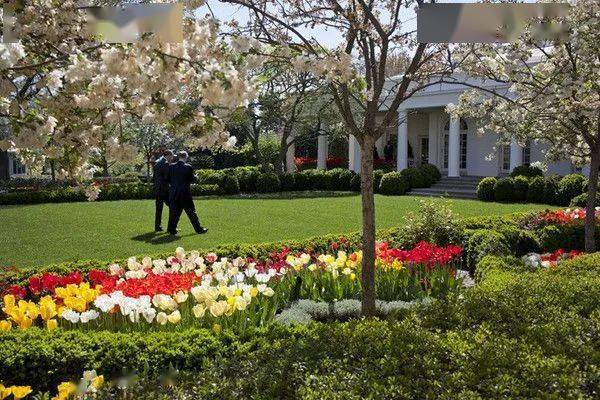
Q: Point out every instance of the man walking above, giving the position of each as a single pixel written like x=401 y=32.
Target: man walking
x=180 y=176
x=161 y=186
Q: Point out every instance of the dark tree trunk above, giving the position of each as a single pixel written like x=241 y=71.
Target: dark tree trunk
x=590 y=211
x=368 y=226
x=281 y=165
x=53 y=170
x=4 y=167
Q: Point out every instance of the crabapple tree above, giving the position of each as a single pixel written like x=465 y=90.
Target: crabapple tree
x=550 y=93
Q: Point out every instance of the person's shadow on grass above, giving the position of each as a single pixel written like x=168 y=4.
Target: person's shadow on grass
x=157 y=237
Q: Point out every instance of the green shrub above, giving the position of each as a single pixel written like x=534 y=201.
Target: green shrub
x=433 y=223
x=489 y=263
x=206 y=190
x=486 y=189
x=355 y=182
x=247 y=177
x=414 y=177
x=288 y=181
x=551 y=189
x=526 y=171
x=340 y=179
x=521 y=186
x=581 y=200
x=394 y=183
x=566 y=237
x=230 y=184
x=535 y=192
x=267 y=183
x=484 y=242
x=432 y=172
x=315 y=179
x=570 y=186
x=504 y=190
x=377 y=175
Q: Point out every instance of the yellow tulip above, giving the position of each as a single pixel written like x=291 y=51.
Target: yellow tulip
x=352 y=276
x=253 y=291
x=98 y=381
x=9 y=301
x=5 y=325
x=19 y=392
x=174 y=317
x=32 y=310
x=47 y=310
x=66 y=389
x=4 y=392
x=25 y=323
x=216 y=328
x=51 y=324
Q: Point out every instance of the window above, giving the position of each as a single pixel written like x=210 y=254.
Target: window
x=462 y=141
x=506 y=158
x=17 y=167
x=527 y=153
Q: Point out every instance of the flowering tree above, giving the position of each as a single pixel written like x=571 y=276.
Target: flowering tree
x=356 y=72
x=59 y=88
x=550 y=94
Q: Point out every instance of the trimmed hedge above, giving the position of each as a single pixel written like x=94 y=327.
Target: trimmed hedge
x=526 y=171
x=122 y=191
x=504 y=189
x=267 y=183
x=570 y=186
x=394 y=183
x=486 y=189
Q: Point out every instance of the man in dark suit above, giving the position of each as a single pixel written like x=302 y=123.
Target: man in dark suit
x=161 y=186
x=180 y=176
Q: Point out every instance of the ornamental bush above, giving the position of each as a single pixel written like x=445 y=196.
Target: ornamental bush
x=377 y=175
x=288 y=181
x=483 y=242
x=526 y=171
x=247 y=177
x=355 y=183
x=414 y=177
x=521 y=186
x=432 y=172
x=581 y=200
x=535 y=191
x=267 y=183
x=551 y=189
x=486 y=189
x=340 y=179
x=570 y=186
x=394 y=183
x=504 y=190
x=230 y=184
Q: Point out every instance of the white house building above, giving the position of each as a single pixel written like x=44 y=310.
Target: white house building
x=425 y=133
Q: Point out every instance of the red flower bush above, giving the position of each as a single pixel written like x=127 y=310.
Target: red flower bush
x=423 y=253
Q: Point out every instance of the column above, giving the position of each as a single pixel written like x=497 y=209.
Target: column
x=322 y=148
x=516 y=154
x=454 y=147
x=353 y=154
x=402 y=159
x=290 y=165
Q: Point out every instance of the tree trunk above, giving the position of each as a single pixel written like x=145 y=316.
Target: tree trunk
x=368 y=225
x=281 y=166
x=53 y=170
x=590 y=210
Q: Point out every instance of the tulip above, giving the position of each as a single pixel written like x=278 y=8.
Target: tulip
x=199 y=310
x=4 y=392
x=65 y=390
x=5 y=325
x=97 y=382
x=51 y=324
x=19 y=392
x=174 y=317
x=161 y=318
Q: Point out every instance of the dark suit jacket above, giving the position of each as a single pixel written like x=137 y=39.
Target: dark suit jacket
x=161 y=185
x=180 y=176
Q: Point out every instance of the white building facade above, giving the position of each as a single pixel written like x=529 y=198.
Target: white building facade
x=425 y=133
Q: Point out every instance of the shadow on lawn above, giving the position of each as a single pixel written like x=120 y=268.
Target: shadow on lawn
x=157 y=237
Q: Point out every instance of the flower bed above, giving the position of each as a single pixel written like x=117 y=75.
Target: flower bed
x=187 y=289
x=548 y=260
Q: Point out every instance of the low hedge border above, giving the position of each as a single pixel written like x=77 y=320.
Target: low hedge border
x=530 y=187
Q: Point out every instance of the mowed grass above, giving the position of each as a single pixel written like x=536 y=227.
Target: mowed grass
x=36 y=235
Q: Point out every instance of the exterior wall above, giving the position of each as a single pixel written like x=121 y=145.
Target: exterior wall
x=482 y=158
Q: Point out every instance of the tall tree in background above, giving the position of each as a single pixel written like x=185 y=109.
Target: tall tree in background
x=553 y=95
x=356 y=73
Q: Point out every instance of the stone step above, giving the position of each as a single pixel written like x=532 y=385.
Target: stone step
x=450 y=185
x=454 y=195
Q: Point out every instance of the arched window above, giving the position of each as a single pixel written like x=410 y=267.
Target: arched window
x=463 y=143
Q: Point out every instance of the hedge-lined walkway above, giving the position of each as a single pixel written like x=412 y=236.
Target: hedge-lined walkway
x=47 y=233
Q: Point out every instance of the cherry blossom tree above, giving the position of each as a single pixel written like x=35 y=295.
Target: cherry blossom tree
x=357 y=75
x=59 y=87
x=548 y=93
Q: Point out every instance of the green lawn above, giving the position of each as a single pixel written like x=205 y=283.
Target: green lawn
x=41 y=234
